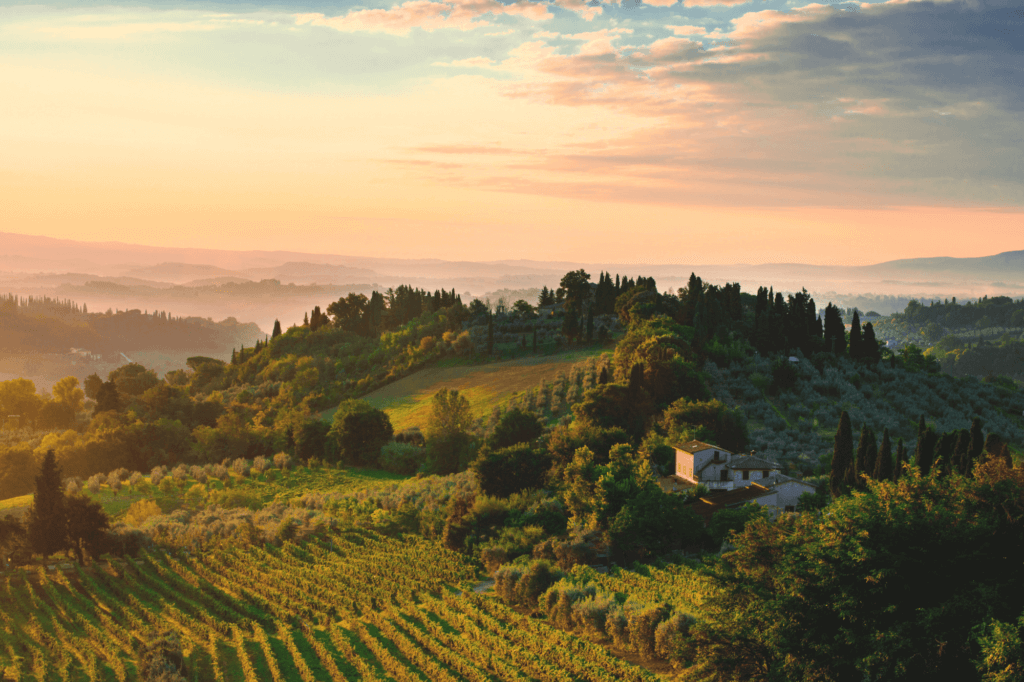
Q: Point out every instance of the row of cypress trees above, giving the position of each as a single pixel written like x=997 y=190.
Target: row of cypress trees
x=952 y=452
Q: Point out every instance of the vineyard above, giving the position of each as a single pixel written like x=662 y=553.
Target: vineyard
x=354 y=605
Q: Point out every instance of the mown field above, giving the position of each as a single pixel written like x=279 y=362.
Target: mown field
x=352 y=605
x=407 y=401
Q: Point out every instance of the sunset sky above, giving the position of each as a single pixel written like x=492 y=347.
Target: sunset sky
x=655 y=131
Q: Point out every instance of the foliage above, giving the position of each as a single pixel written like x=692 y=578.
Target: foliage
x=509 y=470
x=885 y=583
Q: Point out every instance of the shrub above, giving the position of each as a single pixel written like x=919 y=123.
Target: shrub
x=166 y=485
x=643 y=623
x=670 y=637
x=180 y=473
x=505 y=580
x=140 y=511
x=198 y=473
x=73 y=487
x=260 y=464
x=157 y=474
x=591 y=613
x=196 y=494
x=616 y=626
x=241 y=466
x=221 y=472
x=135 y=479
x=402 y=457
x=537 y=578
x=94 y=483
x=120 y=474
x=283 y=461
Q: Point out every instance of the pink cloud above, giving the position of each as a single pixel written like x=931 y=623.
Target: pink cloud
x=712 y=3
x=427 y=15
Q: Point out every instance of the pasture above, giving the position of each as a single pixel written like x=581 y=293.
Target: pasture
x=407 y=401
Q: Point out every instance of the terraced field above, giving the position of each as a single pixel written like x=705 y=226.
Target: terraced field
x=354 y=605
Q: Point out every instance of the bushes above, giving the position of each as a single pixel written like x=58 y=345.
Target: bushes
x=140 y=511
x=523 y=586
x=402 y=457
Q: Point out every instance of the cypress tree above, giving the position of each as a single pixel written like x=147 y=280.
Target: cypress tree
x=869 y=344
x=962 y=452
x=490 y=333
x=277 y=329
x=901 y=459
x=883 y=465
x=863 y=446
x=47 y=520
x=925 y=451
x=856 y=349
x=871 y=460
x=603 y=379
x=843 y=472
x=305 y=320
x=945 y=460
x=977 y=444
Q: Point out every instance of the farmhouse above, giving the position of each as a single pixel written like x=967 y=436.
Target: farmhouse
x=735 y=479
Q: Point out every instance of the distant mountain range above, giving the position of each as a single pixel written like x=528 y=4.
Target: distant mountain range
x=220 y=283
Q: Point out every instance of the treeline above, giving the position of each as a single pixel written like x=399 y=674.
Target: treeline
x=33 y=325
x=929 y=323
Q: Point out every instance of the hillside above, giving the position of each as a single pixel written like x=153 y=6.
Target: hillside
x=407 y=401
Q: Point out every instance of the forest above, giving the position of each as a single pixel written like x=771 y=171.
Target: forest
x=186 y=486
x=48 y=325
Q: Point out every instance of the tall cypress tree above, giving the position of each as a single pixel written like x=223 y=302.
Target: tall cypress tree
x=962 y=452
x=977 y=445
x=490 y=333
x=945 y=460
x=47 y=520
x=883 y=463
x=901 y=459
x=924 y=454
x=871 y=459
x=869 y=344
x=862 y=450
x=843 y=472
x=856 y=349
x=277 y=329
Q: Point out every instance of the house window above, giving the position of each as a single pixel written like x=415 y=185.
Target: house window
x=725 y=475
x=764 y=474
x=746 y=475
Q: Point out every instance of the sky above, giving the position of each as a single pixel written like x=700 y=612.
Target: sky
x=657 y=131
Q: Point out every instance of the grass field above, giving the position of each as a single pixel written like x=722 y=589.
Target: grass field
x=407 y=401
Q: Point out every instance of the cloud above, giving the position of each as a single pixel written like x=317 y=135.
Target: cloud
x=712 y=3
x=472 y=62
x=687 y=30
x=502 y=33
x=463 y=15
x=901 y=102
